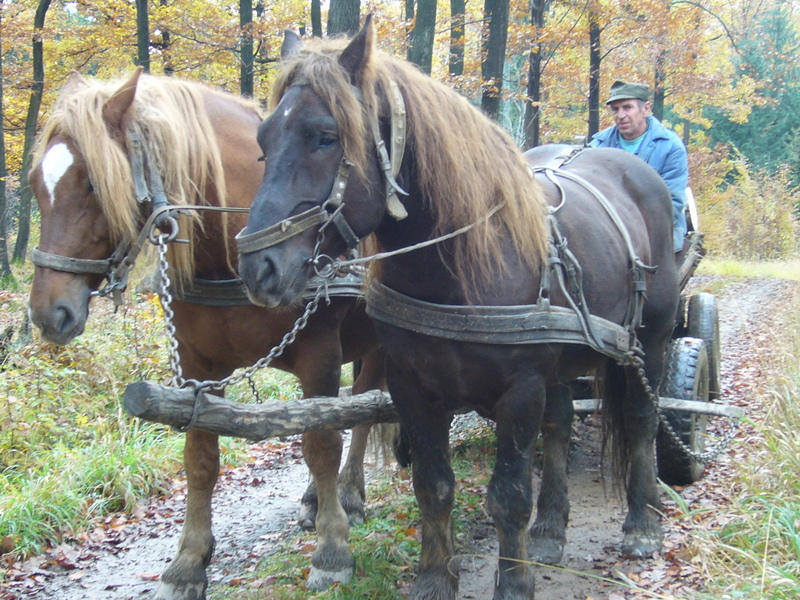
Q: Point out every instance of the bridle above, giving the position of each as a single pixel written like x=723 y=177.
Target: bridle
x=329 y=213
x=149 y=190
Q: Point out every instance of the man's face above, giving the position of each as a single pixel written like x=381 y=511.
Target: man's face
x=630 y=117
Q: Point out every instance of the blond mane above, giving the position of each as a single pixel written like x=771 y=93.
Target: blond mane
x=171 y=121
x=466 y=164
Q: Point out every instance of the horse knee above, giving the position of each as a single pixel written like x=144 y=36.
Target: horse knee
x=322 y=451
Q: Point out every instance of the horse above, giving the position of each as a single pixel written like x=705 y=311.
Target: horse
x=104 y=141
x=495 y=283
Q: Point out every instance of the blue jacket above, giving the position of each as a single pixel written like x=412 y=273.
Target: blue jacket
x=664 y=151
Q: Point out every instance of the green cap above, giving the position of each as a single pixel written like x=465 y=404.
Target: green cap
x=622 y=90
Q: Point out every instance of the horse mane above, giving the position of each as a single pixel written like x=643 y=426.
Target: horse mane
x=466 y=164
x=177 y=135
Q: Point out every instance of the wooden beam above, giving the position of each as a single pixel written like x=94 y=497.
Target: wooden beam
x=175 y=406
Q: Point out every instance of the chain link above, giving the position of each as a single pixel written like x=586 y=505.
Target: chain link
x=169 y=315
x=233 y=379
x=702 y=457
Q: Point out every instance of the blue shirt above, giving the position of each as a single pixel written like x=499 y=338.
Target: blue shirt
x=664 y=151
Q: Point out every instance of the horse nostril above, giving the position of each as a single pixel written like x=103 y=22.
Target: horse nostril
x=267 y=267
x=64 y=319
x=255 y=268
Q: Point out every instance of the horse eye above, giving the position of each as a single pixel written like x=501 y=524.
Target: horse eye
x=262 y=158
x=326 y=140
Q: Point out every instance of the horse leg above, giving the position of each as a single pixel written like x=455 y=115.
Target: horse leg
x=642 y=529
x=331 y=561
x=319 y=370
x=434 y=488
x=548 y=535
x=351 y=480
x=510 y=497
x=185 y=579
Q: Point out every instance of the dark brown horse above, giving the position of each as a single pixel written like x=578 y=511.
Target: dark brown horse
x=494 y=287
x=202 y=144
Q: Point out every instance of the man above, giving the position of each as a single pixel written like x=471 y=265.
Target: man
x=643 y=135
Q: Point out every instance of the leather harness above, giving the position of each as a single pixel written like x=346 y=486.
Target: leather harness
x=540 y=323
x=149 y=190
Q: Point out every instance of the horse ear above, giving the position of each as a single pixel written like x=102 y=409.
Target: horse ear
x=291 y=43
x=117 y=109
x=74 y=83
x=358 y=53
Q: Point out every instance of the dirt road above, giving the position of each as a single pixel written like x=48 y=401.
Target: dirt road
x=256 y=505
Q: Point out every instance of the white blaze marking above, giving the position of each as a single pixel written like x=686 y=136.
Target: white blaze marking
x=287 y=111
x=55 y=163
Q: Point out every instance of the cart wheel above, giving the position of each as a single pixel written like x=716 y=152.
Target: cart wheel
x=703 y=323
x=685 y=378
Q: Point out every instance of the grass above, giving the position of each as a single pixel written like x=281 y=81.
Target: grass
x=753 y=552
x=68 y=451
x=783 y=269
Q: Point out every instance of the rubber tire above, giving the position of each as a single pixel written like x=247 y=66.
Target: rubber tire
x=703 y=323
x=685 y=378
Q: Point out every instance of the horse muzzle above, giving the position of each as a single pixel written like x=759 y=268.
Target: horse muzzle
x=60 y=319
x=272 y=283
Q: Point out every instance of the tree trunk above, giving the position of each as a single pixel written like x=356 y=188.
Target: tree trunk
x=594 y=76
x=421 y=50
x=533 y=109
x=25 y=194
x=5 y=267
x=455 y=63
x=410 y=7
x=316 y=18
x=658 y=87
x=142 y=35
x=494 y=55
x=343 y=17
x=246 y=71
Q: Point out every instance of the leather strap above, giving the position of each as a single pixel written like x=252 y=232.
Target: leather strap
x=506 y=325
x=77 y=266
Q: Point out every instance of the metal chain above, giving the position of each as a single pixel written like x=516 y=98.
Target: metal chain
x=233 y=379
x=702 y=457
x=169 y=315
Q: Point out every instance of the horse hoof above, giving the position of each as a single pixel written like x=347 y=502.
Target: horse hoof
x=185 y=591
x=319 y=580
x=308 y=516
x=546 y=551
x=640 y=545
x=439 y=583
x=355 y=513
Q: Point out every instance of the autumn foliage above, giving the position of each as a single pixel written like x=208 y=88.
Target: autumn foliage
x=715 y=65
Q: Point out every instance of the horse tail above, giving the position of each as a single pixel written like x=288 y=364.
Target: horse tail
x=612 y=384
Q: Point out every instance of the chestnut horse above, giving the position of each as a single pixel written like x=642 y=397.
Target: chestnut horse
x=494 y=287
x=200 y=145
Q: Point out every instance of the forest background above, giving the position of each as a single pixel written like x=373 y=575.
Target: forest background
x=724 y=75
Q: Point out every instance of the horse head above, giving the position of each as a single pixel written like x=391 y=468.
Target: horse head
x=77 y=235
x=322 y=189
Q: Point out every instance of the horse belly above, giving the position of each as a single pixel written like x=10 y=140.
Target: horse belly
x=462 y=374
